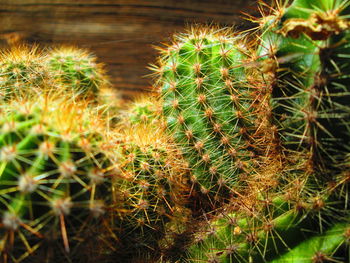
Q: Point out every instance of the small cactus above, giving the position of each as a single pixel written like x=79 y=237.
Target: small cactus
x=77 y=69
x=144 y=110
x=22 y=71
x=148 y=193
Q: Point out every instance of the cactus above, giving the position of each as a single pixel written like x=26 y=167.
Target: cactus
x=210 y=107
x=22 y=72
x=300 y=65
x=302 y=57
x=76 y=69
x=144 y=110
x=149 y=191
x=304 y=50
x=261 y=125
x=287 y=241
x=53 y=175
x=295 y=224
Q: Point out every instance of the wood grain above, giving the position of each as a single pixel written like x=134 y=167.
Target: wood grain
x=120 y=32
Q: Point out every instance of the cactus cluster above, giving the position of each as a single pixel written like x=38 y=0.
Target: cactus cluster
x=242 y=156
x=294 y=73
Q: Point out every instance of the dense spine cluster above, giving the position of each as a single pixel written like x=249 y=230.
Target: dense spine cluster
x=22 y=71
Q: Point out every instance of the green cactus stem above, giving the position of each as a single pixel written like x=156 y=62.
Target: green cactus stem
x=304 y=49
x=209 y=106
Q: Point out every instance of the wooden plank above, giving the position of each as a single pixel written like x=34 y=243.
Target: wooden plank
x=120 y=32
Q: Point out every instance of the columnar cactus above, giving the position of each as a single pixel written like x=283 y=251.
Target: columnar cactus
x=304 y=50
x=149 y=191
x=209 y=106
x=53 y=175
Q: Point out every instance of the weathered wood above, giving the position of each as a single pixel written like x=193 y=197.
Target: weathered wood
x=120 y=32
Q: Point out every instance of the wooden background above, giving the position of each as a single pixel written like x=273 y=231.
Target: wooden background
x=120 y=32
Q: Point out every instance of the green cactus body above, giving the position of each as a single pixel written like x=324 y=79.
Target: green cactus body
x=208 y=106
x=309 y=44
x=22 y=72
x=77 y=70
x=52 y=174
x=142 y=111
x=281 y=232
x=329 y=246
x=149 y=192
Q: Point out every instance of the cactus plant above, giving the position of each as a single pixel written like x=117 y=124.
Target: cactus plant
x=144 y=110
x=304 y=49
x=296 y=224
x=149 y=191
x=53 y=174
x=301 y=56
x=77 y=69
x=262 y=125
x=209 y=106
x=22 y=72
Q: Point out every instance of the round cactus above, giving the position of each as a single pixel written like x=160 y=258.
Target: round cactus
x=53 y=175
x=77 y=70
x=22 y=71
x=145 y=110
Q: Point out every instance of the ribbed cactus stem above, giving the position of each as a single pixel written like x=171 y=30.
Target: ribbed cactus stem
x=308 y=45
x=209 y=106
